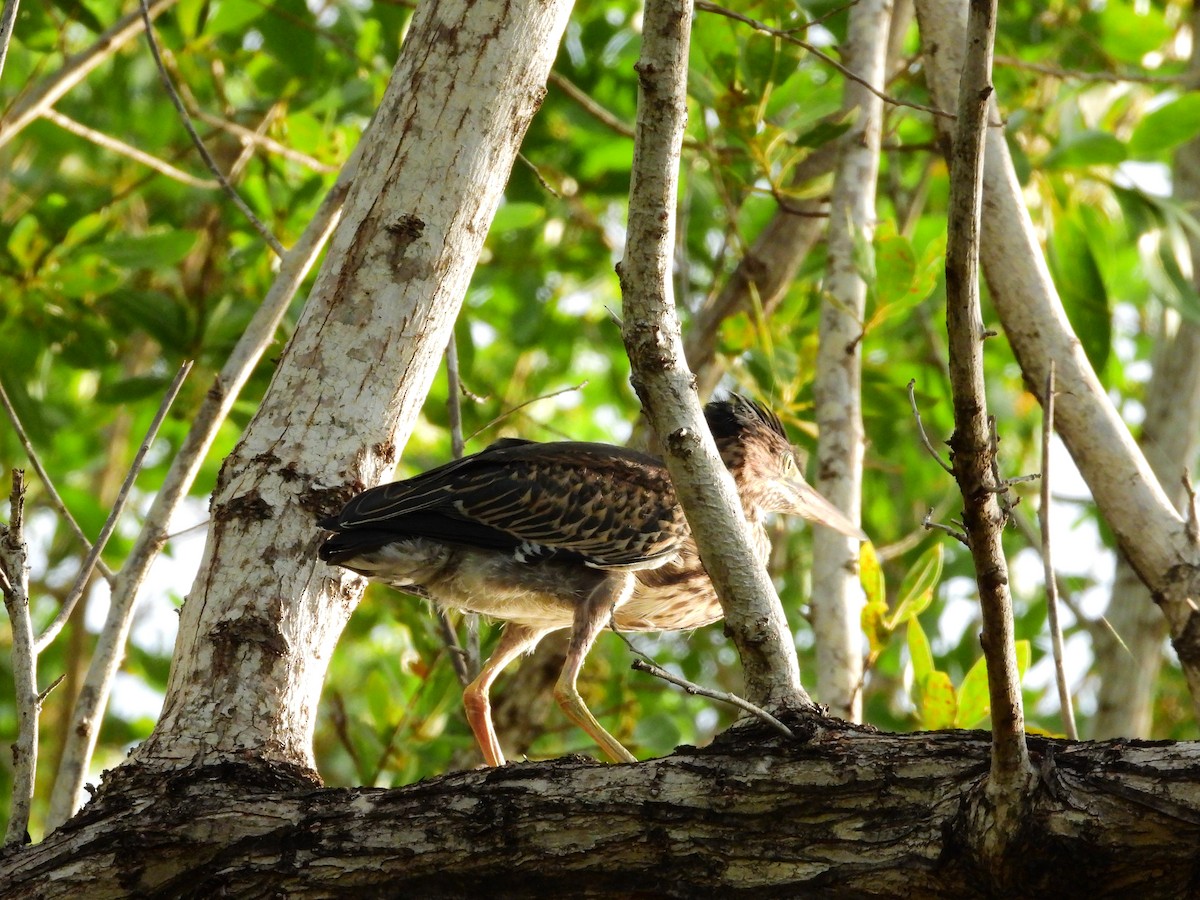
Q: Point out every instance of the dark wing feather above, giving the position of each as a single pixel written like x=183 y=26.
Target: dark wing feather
x=605 y=505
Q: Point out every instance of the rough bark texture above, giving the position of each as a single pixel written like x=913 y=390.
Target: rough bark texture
x=842 y=813
x=754 y=615
x=260 y=623
x=972 y=447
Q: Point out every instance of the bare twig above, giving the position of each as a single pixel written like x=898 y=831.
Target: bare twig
x=81 y=737
x=520 y=406
x=972 y=448
x=74 y=70
x=120 y=147
x=186 y=119
x=55 y=500
x=251 y=138
x=960 y=536
x=465 y=660
x=51 y=686
x=1012 y=62
x=640 y=665
x=705 y=6
x=1193 y=524
x=85 y=572
x=1056 y=636
x=912 y=401
x=14 y=567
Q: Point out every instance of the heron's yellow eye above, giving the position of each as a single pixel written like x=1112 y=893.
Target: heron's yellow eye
x=787 y=463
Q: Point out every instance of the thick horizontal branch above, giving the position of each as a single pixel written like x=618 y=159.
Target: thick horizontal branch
x=848 y=813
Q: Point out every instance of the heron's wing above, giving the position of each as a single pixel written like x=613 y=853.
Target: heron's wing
x=604 y=505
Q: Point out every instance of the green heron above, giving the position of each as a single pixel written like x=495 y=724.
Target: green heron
x=566 y=535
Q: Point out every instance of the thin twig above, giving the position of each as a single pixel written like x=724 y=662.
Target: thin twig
x=641 y=665
x=120 y=147
x=50 y=687
x=465 y=660
x=186 y=119
x=520 y=406
x=1013 y=62
x=912 y=400
x=74 y=70
x=525 y=161
x=55 y=499
x=705 y=6
x=85 y=573
x=458 y=656
x=1056 y=635
x=14 y=564
x=960 y=536
x=254 y=139
x=1193 y=524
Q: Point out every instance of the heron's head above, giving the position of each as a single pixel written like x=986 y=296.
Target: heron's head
x=755 y=449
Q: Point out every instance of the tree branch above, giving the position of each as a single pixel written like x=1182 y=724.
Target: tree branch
x=114 y=515
x=837 y=596
x=14 y=572
x=753 y=613
x=56 y=499
x=972 y=447
x=89 y=709
x=100 y=139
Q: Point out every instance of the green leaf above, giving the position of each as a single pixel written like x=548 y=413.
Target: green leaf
x=1128 y=31
x=936 y=703
x=919 y=652
x=233 y=16
x=974 y=702
x=513 y=216
x=25 y=243
x=1167 y=127
x=1081 y=286
x=1085 y=149
x=148 y=251
x=916 y=589
x=870 y=574
x=155 y=313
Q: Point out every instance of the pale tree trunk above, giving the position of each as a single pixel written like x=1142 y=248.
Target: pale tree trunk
x=1153 y=536
x=1169 y=440
x=261 y=621
x=837 y=597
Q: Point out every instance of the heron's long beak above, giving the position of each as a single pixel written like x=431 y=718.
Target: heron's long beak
x=810 y=505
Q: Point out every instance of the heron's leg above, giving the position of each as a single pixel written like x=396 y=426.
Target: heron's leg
x=590 y=618
x=515 y=640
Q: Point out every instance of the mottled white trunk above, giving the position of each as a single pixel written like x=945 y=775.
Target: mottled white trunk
x=263 y=617
x=837 y=597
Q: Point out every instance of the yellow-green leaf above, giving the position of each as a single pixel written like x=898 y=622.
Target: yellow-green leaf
x=919 y=652
x=870 y=573
x=936 y=703
x=974 y=701
x=916 y=589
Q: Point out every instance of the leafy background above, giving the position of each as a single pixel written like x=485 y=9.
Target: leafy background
x=111 y=274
